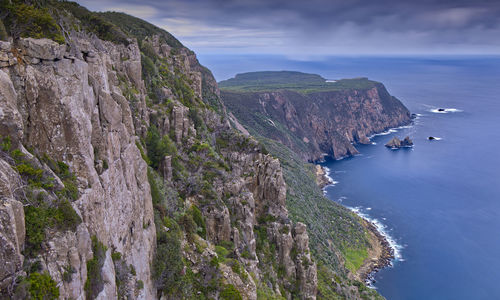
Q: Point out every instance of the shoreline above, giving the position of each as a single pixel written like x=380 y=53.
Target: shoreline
x=380 y=254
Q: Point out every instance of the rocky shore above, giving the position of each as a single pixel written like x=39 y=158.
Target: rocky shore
x=321 y=177
x=380 y=253
x=379 y=256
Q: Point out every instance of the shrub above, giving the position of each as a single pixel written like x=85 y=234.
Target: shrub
x=230 y=293
x=3 y=32
x=199 y=220
x=221 y=252
x=26 y=20
x=94 y=283
x=116 y=256
x=158 y=147
x=6 y=141
x=42 y=287
x=68 y=272
x=187 y=223
x=139 y=284
x=168 y=265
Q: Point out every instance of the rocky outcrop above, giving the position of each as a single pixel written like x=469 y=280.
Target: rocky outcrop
x=322 y=178
x=73 y=110
x=318 y=124
x=12 y=229
x=85 y=108
x=396 y=143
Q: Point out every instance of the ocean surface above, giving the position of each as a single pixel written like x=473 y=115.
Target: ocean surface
x=438 y=202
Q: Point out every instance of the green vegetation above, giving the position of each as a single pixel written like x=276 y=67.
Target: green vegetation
x=140 y=29
x=46 y=206
x=195 y=213
x=230 y=293
x=354 y=258
x=288 y=80
x=94 y=283
x=85 y=20
x=3 y=32
x=168 y=263
x=29 y=20
x=158 y=147
x=42 y=287
x=38 y=218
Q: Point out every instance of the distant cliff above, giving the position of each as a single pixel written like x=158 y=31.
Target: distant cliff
x=311 y=116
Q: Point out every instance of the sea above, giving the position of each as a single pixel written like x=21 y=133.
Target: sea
x=438 y=203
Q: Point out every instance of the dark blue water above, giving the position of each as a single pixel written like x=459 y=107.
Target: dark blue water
x=440 y=201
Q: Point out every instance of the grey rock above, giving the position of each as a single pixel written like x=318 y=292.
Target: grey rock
x=45 y=49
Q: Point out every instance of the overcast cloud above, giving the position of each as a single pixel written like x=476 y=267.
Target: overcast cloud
x=322 y=27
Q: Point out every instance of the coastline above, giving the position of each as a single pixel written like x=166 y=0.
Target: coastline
x=322 y=178
x=380 y=253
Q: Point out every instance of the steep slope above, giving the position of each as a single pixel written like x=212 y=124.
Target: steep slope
x=300 y=117
x=121 y=176
x=309 y=115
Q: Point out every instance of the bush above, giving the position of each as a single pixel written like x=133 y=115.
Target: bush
x=115 y=256
x=230 y=293
x=189 y=226
x=139 y=284
x=158 y=147
x=3 y=32
x=221 y=252
x=94 y=283
x=199 y=220
x=168 y=265
x=26 y=20
x=38 y=219
x=42 y=287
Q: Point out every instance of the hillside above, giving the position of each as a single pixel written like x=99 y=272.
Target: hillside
x=298 y=125
x=292 y=81
x=121 y=175
x=313 y=122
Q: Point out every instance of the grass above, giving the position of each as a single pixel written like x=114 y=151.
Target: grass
x=354 y=258
x=293 y=81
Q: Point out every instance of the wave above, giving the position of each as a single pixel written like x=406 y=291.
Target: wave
x=444 y=110
x=332 y=181
x=382 y=228
x=389 y=131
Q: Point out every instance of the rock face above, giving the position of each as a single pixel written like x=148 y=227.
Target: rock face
x=93 y=116
x=396 y=143
x=318 y=124
x=74 y=111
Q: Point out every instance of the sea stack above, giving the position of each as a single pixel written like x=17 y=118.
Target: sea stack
x=396 y=143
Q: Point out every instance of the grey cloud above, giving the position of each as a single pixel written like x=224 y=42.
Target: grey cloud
x=323 y=26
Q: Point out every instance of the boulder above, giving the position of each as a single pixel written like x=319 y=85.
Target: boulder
x=396 y=143
x=42 y=48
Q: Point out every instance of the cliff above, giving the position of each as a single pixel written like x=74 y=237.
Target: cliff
x=301 y=117
x=121 y=176
x=311 y=116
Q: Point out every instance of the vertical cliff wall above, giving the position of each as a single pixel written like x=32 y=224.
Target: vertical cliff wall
x=316 y=119
x=121 y=177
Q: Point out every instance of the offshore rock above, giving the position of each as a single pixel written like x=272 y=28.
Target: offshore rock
x=396 y=143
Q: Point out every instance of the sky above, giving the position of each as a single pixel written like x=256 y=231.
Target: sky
x=322 y=27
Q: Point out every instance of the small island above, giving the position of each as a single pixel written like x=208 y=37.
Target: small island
x=396 y=143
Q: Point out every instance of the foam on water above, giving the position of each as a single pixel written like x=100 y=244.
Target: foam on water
x=445 y=111
x=389 y=131
x=382 y=228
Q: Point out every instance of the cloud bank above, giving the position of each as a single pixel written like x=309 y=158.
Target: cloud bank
x=323 y=27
